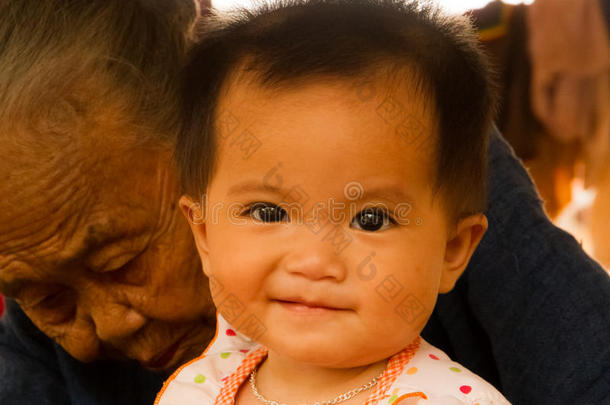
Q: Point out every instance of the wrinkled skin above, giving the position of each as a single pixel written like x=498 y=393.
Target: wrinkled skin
x=96 y=252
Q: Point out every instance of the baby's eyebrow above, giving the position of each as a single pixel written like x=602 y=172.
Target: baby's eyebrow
x=246 y=187
x=391 y=193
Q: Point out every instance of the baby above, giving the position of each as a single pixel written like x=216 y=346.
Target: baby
x=340 y=146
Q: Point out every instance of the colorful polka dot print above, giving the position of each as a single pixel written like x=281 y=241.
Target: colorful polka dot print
x=417 y=375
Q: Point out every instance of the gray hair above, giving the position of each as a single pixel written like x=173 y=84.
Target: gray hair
x=67 y=65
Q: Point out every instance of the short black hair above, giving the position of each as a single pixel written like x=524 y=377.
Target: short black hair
x=296 y=40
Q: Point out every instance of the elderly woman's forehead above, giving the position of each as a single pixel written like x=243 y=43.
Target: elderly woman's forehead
x=70 y=234
x=60 y=203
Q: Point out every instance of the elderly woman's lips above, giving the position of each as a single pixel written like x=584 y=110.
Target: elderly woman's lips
x=162 y=359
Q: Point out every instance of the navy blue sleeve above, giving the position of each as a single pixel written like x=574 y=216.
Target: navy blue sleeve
x=531 y=314
x=36 y=371
x=29 y=371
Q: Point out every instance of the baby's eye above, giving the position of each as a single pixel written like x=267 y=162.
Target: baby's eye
x=372 y=219
x=266 y=212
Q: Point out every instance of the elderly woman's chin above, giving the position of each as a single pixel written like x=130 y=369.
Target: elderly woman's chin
x=185 y=348
x=170 y=353
x=160 y=346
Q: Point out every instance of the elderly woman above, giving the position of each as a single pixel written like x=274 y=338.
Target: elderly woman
x=106 y=294
x=92 y=247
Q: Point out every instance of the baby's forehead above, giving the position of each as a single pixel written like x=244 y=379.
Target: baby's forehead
x=345 y=119
x=396 y=93
x=394 y=108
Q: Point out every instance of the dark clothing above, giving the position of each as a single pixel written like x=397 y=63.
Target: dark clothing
x=531 y=315
x=532 y=312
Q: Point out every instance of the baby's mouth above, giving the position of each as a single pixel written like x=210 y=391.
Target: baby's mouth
x=302 y=304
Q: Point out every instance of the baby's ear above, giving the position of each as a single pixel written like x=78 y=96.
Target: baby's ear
x=459 y=249
x=195 y=215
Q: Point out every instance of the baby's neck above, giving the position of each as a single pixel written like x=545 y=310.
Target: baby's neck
x=287 y=381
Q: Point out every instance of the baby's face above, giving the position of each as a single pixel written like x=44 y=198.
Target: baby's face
x=322 y=237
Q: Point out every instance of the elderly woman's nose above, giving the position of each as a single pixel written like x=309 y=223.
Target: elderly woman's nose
x=115 y=321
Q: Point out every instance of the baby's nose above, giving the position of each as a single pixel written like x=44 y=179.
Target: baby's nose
x=316 y=260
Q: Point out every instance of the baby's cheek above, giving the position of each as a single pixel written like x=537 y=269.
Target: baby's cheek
x=232 y=293
x=414 y=310
x=397 y=323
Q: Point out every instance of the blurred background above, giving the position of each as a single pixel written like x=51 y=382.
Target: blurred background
x=553 y=61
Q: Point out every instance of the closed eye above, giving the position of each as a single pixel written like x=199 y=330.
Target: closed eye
x=55 y=308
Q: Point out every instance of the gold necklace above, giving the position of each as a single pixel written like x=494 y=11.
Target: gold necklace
x=340 y=398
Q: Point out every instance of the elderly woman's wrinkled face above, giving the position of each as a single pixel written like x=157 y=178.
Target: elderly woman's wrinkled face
x=99 y=257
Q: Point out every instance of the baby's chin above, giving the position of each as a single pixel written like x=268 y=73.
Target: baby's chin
x=332 y=355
